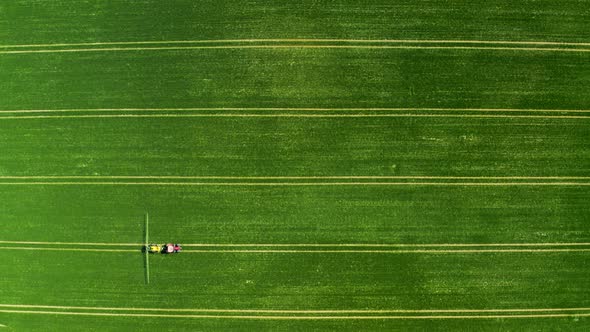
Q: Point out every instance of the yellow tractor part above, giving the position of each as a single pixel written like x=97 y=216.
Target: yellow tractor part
x=154 y=248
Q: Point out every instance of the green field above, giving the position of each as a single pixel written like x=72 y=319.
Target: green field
x=396 y=165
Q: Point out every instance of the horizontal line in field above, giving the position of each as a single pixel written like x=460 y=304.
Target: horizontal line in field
x=322 y=251
x=320 y=177
x=300 y=109
x=294 y=112
x=417 y=251
x=391 y=244
x=296 y=43
x=261 y=317
x=154 y=180
x=281 y=311
x=304 y=40
x=291 y=115
x=73 y=243
x=73 y=249
x=282 y=184
x=534 y=244
x=296 y=46
x=181 y=48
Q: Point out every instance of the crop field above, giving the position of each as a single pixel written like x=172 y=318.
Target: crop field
x=327 y=165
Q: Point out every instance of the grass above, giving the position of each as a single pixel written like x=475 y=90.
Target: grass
x=145 y=249
x=51 y=22
x=445 y=133
x=301 y=281
x=128 y=324
x=297 y=78
x=296 y=147
x=297 y=214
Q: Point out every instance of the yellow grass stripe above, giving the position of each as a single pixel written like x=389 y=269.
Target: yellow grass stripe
x=260 y=317
x=535 y=244
x=562 y=244
x=415 y=251
x=301 y=184
x=283 y=311
x=300 y=46
x=307 y=109
x=347 y=251
x=290 y=115
x=343 y=177
x=73 y=243
x=72 y=249
x=324 y=251
x=305 y=40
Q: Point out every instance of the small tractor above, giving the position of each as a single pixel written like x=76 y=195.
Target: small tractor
x=168 y=248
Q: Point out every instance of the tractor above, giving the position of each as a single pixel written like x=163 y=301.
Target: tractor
x=168 y=248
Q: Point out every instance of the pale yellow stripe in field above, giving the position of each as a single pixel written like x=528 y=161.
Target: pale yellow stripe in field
x=73 y=243
x=305 y=40
x=415 y=251
x=323 y=251
x=287 y=115
x=301 y=184
x=301 y=109
x=71 y=249
x=260 y=317
x=283 y=311
x=562 y=244
x=319 y=245
x=344 y=177
x=301 y=46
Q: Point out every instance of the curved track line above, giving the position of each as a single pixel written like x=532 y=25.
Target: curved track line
x=275 y=184
x=308 y=109
x=296 y=317
x=82 y=116
x=305 y=40
x=268 y=311
x=300 y=46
